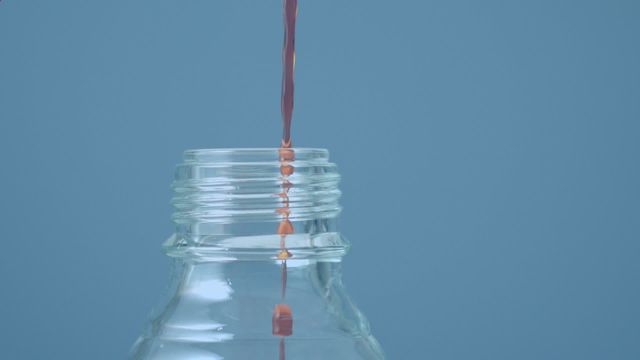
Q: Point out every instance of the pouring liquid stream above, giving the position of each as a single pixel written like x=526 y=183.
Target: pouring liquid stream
x=282 y=323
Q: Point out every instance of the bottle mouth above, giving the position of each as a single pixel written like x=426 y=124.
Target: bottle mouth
x=249 y=155
x=224 y=186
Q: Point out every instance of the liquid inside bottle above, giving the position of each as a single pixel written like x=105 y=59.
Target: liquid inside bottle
x=256 y=262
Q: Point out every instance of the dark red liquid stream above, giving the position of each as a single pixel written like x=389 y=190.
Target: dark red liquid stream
x=288 y=66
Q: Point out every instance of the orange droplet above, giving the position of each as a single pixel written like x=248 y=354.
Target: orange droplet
x=285 y=227
x=286 y=154
x=284 y=211
x=284 y=254
x=282 y=321
x=286 y=170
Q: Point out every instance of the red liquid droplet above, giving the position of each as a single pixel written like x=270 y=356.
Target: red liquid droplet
x=282 y=321
x=286 y=153
x=286 y=169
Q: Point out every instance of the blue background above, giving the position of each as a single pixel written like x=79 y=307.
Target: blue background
x=489 y=149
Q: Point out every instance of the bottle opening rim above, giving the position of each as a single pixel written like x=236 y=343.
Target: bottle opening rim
x=239 y=155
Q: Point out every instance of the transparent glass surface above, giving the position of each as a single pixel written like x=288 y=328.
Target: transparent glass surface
x=245 y=286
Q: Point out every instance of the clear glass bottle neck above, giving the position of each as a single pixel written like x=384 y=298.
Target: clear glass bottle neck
x=253 y=203
x=257 y=268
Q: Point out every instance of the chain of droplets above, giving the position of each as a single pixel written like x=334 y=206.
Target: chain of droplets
x=282 y=314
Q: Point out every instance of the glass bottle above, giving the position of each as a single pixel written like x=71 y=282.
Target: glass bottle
x=256 y=262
